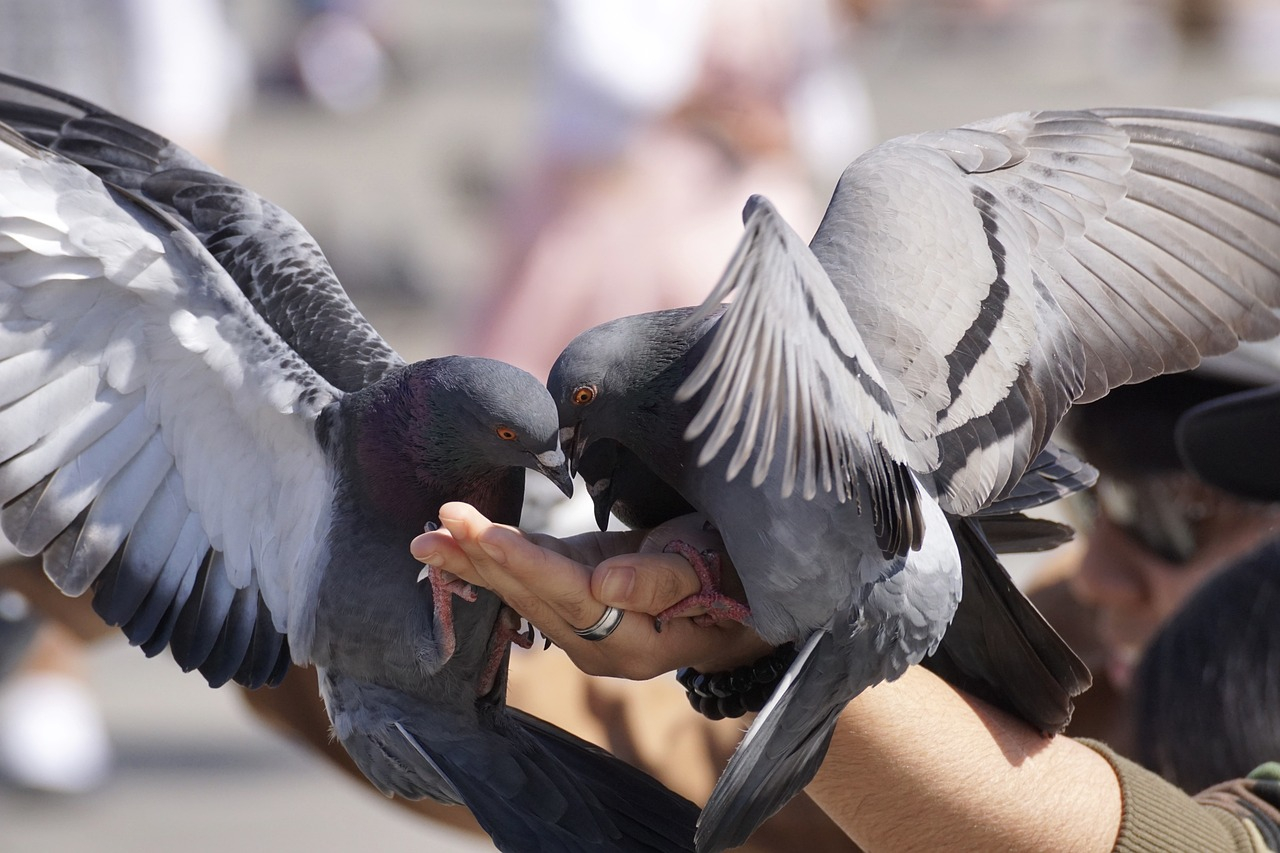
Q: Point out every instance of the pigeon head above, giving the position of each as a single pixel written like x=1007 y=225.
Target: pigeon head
x=487 y=414
x=617 y=381
x=452 y=428
x=612 y=373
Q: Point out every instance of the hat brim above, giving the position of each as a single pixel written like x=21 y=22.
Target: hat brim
x=1233 y=443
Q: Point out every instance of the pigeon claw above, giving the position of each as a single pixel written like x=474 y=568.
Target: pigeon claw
x=718 y=606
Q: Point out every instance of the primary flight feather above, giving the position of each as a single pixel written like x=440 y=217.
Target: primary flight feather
x=876 y=404
x=200 y=430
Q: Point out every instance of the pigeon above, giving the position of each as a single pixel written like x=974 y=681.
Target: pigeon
x=870 y=405
x=198 y=428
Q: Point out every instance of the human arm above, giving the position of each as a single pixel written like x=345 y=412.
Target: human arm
x=914 y=764
x=918 y=765
x=643 y=720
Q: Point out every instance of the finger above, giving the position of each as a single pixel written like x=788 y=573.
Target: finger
x=442 y=554
x=564 y=583
x=649 y=583
x=436 y=547
x=551 y=590
x=463 y=524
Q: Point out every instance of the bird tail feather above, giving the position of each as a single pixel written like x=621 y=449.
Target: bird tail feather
x=532 y=787
x=781 y=752
x=1000 y=649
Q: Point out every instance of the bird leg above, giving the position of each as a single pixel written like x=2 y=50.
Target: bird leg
x=445 y=585
x=718 y=605
x=505 y=630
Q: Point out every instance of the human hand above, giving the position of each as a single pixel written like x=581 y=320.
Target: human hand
x=562 y=584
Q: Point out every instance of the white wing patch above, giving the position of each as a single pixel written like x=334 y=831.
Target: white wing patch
x=155 y=433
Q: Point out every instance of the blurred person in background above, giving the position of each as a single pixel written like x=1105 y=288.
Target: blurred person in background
x=1213 y=667
x=336 y=54
x=1206 y=696
x=176 y=67
x=1152 y=531
x=657 y=121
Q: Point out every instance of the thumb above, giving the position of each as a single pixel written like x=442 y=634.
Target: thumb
x=647 y=583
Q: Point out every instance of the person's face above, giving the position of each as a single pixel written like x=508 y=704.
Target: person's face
x=1151 y=545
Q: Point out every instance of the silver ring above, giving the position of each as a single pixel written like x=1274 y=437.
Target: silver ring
x=605 y=625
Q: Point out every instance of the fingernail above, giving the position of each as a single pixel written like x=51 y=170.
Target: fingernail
x=617 y=585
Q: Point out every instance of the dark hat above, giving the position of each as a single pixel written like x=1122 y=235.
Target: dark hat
x=1233 y=443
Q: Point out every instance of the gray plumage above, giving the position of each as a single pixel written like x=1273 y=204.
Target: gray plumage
x=872 y=403
x=198 y=428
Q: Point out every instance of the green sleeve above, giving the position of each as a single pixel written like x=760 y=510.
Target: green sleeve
x=1161 y=818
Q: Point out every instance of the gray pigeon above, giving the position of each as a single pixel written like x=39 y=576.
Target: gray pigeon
x=896 y=380
x=198 y=427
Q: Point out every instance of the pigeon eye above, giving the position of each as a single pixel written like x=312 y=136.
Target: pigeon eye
x=507 y=433
x=584 y=394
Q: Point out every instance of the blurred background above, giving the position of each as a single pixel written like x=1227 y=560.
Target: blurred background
x=472 y=170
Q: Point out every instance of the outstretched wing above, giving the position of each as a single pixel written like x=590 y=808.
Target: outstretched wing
x=157 y=438
x=787 y=364
x=999 y=272
x=268 y=254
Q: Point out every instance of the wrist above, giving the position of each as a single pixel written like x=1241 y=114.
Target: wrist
x=741 y=690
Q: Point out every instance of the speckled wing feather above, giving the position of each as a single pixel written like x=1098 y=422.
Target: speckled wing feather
x=157 y=438
x=999 y=272
x=268 y=254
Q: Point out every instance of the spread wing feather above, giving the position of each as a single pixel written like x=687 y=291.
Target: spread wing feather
x=157 y=437
x=268 y=254
x=787 y=368
x=989 y=277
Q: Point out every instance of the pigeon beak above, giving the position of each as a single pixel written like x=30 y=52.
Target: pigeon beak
x=572 y=447
x=555 y=468
x=601 y=492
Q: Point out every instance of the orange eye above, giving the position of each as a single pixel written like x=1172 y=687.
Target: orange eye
x=507 y=433
x=583 y=395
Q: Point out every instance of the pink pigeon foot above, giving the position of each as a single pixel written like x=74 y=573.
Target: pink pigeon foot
x=443 y=587
x=718 y=605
